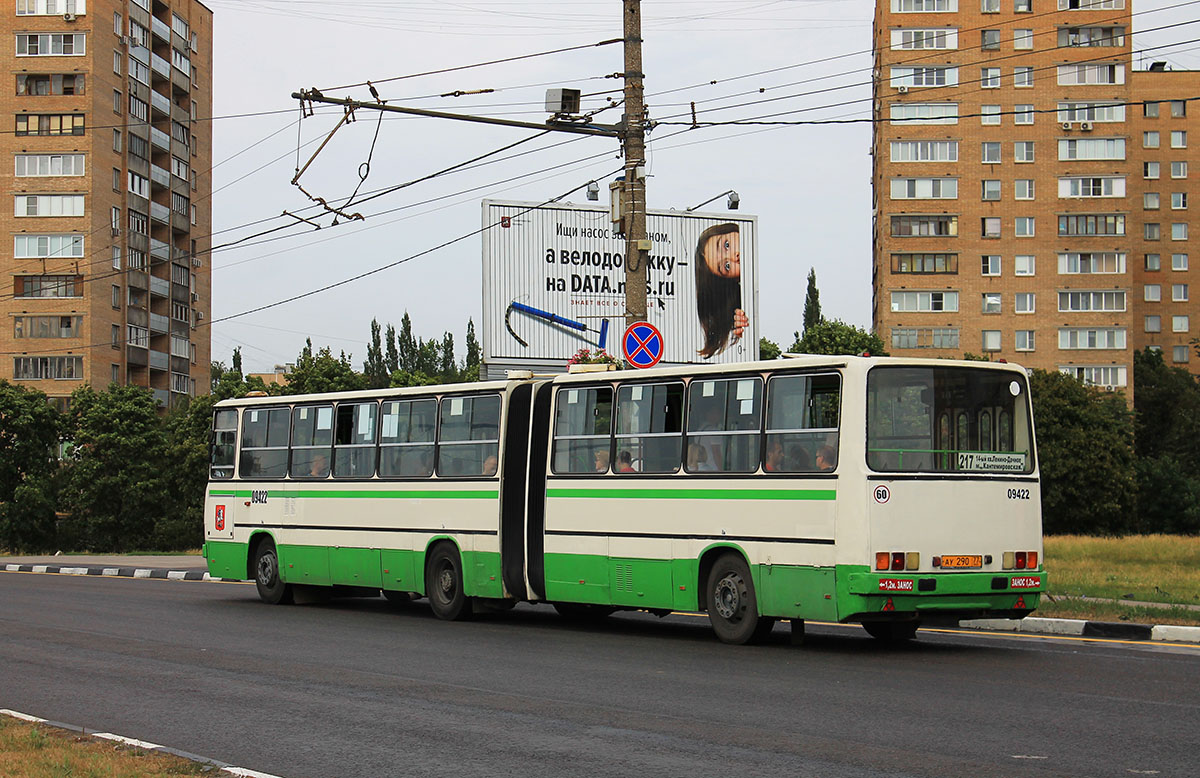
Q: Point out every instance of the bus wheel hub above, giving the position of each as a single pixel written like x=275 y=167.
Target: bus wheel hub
x=729 y=597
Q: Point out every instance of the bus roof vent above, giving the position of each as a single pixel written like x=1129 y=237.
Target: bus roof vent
x=518 y=375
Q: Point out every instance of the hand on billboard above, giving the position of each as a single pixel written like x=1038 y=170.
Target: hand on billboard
x=740 y=322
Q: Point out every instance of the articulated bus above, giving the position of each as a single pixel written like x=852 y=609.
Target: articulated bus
x=879 y=491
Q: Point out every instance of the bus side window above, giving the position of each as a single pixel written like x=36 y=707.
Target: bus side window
x=802 y=423
x=469 y=436
x=583 y=430
x=224 y=445
x=354 y=441
x=264 y=443
x=406 y=438
x=649 y=428
x=312 y=437
x=724 y=418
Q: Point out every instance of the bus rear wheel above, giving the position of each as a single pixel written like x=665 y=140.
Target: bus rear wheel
x=892 y=631
x=444 y=584
x=271 y=588
x=732 y=603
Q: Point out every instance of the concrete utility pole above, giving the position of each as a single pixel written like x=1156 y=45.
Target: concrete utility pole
x=637 y=246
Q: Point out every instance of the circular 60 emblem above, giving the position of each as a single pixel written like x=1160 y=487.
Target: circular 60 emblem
x=882 y=494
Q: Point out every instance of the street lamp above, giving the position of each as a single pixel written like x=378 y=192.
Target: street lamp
x=731 y=203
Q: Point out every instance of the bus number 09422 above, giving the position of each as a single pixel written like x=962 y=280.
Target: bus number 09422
x=1018 y=494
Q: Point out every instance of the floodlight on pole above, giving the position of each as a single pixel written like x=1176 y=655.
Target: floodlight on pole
x=732 y=203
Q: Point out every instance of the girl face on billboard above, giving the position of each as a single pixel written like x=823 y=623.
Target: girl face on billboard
x=723 y=255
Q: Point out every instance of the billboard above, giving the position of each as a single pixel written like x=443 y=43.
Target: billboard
x=554 y=282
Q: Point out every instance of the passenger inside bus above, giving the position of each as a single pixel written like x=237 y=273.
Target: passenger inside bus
x=826 y=458
x=774 y=461
x=625 y=462
x=601 y=459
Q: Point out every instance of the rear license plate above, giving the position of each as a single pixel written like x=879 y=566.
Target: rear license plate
x=963 y=560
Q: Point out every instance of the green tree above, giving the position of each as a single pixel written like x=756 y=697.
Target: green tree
x=448 y=371
x=393 y=352
x=768 y=349
x=185 y=475
x=375 y=368
x=1085 y=448
x=407 y=345
x=29 y=434
x=237 y=361
x=114 y=483
x=474 y=352
x=322 y=372
x=812 y=302
x=837 y=337
x=1167 y=442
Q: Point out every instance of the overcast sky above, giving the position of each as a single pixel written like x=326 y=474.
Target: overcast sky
x=790 y=60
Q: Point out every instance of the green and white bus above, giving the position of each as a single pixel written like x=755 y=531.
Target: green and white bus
x=878 y=491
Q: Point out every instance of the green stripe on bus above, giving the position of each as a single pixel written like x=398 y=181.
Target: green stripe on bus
x=634 y=493
x=376 y=494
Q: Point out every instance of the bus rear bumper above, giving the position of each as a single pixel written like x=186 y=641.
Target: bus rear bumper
x=941 y=597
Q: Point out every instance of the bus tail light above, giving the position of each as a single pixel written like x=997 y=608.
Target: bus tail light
x=912 y=560
x=897 y=560
x=882 y=560
x=1020 y=560
x=1032 y=558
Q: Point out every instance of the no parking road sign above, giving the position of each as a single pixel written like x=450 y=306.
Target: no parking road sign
x=642 y=344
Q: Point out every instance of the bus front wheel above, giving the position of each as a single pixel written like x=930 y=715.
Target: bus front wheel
x=444 y=584
x=732 y=604
x=892 y=631
x=271 y=588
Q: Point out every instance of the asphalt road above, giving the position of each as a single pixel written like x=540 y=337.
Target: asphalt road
x=359 y=688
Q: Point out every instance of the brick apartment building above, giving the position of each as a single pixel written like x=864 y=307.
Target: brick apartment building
x=109 y=273
x=1032 y=193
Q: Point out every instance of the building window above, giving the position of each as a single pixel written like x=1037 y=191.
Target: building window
x=1179 y=139
x=1179 y=169
x=924 y=188
x=989 y=78
x=1023 y=265
x=991 y=302
x=1023 y=6
x=139 y=109
x=1087 y=74
x=1179 y=201
x=1024 y=302
x=49 y=124
x=139 y=224
x=46 y=327
x=991 y=153
x=1152 y=293
x=1150 y=170
x=1179 y=261
x=990 y=265
x=989 y=6
x=1179 y=293
x=1152 y=231
x=1091 y=224
x=47 y=368
x=1103 y=301
x=1178 y=109
x=1023 y=114
x=47 y=286
x=48 y=246
x=42 y=165
x=1091 y=339
x=924 y=302
x=924 y=151
x=1091 y=263
x=935 y=225
x=116 y=254
x=1091 y=111
x=990 y=227
x=139 y=185
x=1091 y=148
x=1024 y=340
x=1180 y=354
x=924 y=263
x=991 y=340
x=924 y=337
x=1022 y=39
x=1150 y=110
x=1179 y=231
x=1023 y=227
x=117 y=141
x=1150 y=139
x=46 y=85
x=989 y=115
x=920 y=113
x=49 y=205
x=1023 y=189
x=1023 y=77
x=991 y=189
x=1179 y=324
x=116 y=297
x=1150 y=201
x=51 y=45
x=990 y=39
x=1153 y=262
x=1153 y=323
x=1023 y=151
x=1092 y=186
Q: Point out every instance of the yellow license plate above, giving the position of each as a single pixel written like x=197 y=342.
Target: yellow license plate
x=963 y=560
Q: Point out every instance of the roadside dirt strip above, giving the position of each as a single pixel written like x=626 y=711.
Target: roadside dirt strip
x=222 y=766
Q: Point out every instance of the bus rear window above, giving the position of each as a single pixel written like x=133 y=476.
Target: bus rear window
x=951 y=419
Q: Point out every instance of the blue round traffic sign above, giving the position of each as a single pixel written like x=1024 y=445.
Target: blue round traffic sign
x=642 y=344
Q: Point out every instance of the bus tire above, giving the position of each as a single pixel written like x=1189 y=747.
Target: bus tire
x=444 y=584
x=892 y=631
x=271 y=588
x=732 y=604
x=580 y=611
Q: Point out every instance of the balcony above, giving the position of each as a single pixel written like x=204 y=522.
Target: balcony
x=180 y=293
x=140 y=53
x=160 y=176
x=161 y=29
x=160 y=360
x=180 y=223
x=160 y=104
x=159 y=139
x=160 y=213
x=160 y=287
x=135 y=356
x=137 y=279
x=159 y=66
x=160 y=250
x=162 y=397
x=159 y=325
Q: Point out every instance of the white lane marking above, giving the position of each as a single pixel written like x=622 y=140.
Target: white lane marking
x=141 y=573
x=176 y=575
x=1027 y=756
x=126 y=740
x=1143 y=772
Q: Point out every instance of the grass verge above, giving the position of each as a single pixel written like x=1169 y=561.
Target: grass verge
x=1149 y=568
x=29 y=750
x=1091 y=610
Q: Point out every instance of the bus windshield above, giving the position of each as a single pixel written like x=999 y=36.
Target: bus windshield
x=948 y=419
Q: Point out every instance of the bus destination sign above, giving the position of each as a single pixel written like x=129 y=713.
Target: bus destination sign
x=993 y=462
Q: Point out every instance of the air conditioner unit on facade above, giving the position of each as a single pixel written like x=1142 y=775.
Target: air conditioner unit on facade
x=200 y=315
x=68 y=17
x=116 y=231
x=121 y=39
x=1085 y=126
x=195 y=261
x=1067 y=126
x=902 y=90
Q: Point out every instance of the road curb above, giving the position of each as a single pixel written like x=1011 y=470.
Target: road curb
x=1119 y=630
x=222 y=766
x=117 y=572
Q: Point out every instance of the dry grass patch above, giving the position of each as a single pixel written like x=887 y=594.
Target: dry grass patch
x=1151 y=568
x=29 y=750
